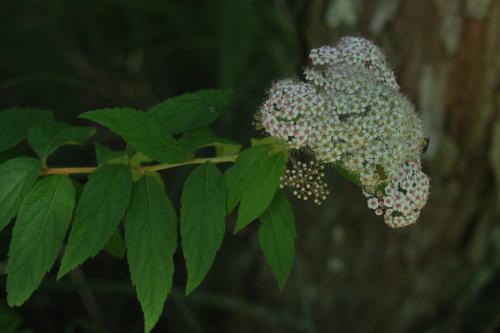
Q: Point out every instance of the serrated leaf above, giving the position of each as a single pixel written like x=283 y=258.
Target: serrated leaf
x=253 y=180
x=203 y=137
x=141 y=132
x=202 y=221
x=16 y=178
x=277 y=237
x=15 y=123
x=106 y=155
x=191 y=111
x=151 y=239
x=102 y=205
x=39 y=231
x=116 y=245
x=237 y=175
x=260 y=188
x=48 y=136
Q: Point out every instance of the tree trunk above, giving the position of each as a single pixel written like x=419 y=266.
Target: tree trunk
x=439 y=275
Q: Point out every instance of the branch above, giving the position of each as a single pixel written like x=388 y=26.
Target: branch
x=142 y=169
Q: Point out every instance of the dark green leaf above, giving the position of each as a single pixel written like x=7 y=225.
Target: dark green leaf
x=12 y=153
x=262 y=184
x=191 y=111
x=237 y=175
x=277 y=237
x=151 y=239
x=203 y=137
x=253 y=180
x=102 y=205
x=16 y=178
x=116 y=245
x=39 y=231
x=347 y=174
x=15 y=123
x=105 y=155
x=202 y=221
x=48 y=136
x=143 y=133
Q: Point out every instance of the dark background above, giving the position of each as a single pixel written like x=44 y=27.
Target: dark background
x=352 y=273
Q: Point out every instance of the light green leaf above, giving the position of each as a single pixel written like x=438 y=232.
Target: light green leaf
x=48 y=136
x=277 y=237
x=151 y=239
x=116 y=245
x=106 y=155
x=15 y=123
x=141 y=132
x=191 y=111
x=226 y=149
x=102 y=205
x=16 y=178
x=39 y=231
x=138 y=159
x=202 y=221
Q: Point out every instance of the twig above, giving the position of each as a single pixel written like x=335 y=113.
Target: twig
x=142 y=169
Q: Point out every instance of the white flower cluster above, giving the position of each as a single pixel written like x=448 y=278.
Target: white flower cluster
x=294 y=104
x=349 y=112
x=403 y=198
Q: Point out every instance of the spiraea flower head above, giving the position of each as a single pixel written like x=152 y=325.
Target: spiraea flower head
x=289 y=110
x=403 y=198
x=349 y=112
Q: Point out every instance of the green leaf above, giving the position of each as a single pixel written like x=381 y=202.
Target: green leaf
x=226 y=149
x=138 y=159
x=142 y=133
x=191 y=111
x=237 y=175
x=106 y=155
x=203 y=137
x=202 y=221
x=16 y=178
x=102 y=205
x=260 y=188
x=151 y=239
x=253 y=180
x=15 y=123
x=277 y=237
x=116 y=245
x=347 y=174
x=39 y=231
x=48 y=136
x=12 y=153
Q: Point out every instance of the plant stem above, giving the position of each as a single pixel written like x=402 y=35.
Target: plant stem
x=142 y=169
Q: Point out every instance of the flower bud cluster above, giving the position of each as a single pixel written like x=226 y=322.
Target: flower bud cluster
x=307 y=181
x=348 y=112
